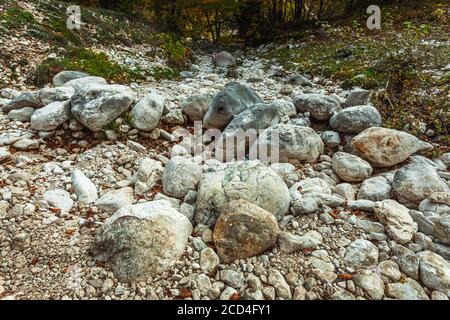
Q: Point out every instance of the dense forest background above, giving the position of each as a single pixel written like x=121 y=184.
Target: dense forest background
x=255 y=21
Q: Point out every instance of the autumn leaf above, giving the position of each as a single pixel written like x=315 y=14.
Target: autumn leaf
x=185 y=293
x=345 y=276
x=236 y=296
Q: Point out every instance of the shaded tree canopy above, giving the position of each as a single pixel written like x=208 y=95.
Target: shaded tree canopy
x=255 y=20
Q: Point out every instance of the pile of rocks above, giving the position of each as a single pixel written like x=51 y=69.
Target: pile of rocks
x=350 y=212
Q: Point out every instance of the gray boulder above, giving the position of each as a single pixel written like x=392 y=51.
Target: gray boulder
x=290 y=243
x=441 y=230
x=51 y=116
x=358 y=97
x=27 y=99
x=147 y=176
x=79 y=83
x=361 y=254
x=22 y=115
x=180 y=176
x=251 y=181
x=143 y=240
x=4 y=102
x=350 y=167
x=412 y=184
x=294 y=142
x=174 y=117
x=371 y=284
x=284 y=108
x=9 y=93
x=330 y=138
x=246 y=124
x=302 y=122
x=407 y=260
x=356 y=119
x=258 y=117
x=65 y=76
x=59 y=198
x=196 y=106
x=231 y=101
x=299 y=80
x=49 y=95
x=409 y=289
x=375 y=189
x=428 y=205
x=222 y=59
x=97 y=105
x=424 y=224
x=434 y=272
x=320 y=106
x=146 y=114
x=399 y=224
x=4 y=153
x=113 y=200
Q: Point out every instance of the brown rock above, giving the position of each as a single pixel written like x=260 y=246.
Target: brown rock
x=244 y=230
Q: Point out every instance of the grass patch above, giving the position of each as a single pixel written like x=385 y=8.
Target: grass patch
x=86 y=60
x=178 y=55
x=15 y=17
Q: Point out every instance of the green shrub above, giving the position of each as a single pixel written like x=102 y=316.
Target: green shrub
x=16 y=17
x=86 y=60
x=178 y=55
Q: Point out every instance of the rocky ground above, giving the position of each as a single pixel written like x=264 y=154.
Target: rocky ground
x=103 y=194
x=99 y=200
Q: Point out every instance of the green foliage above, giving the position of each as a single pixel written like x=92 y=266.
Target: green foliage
x=15 y=17
x=160 y=73
x=82 y=59
x=177 y=53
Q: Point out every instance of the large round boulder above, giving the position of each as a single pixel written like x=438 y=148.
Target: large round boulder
x=143 y=240
x=320 y=106
x=229 y=102
x=292 y=142
x=385 y=147
x=51 y=116
x=251 y=181
x=65 y=76
x=350 y=167
x=196 y=106
x=413 y=183
x=97 y=105
x=180 y=176
x=244 y=230
x=356 y=119
x=146 y=114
